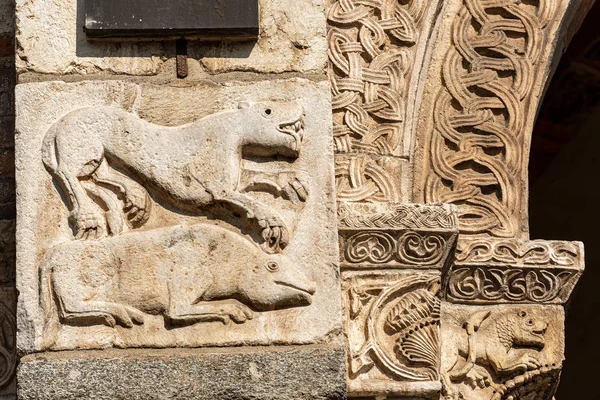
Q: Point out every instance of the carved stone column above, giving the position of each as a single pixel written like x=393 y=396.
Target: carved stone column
x=435 y=102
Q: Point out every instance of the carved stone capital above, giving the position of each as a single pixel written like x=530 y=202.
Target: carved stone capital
x=488 y=271
x=394 y=235
x=501 y=352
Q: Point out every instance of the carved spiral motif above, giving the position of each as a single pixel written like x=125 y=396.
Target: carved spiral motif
x=507 y=285
x=370 y=57
x=401 y=320
x=476 y=146
x=373 y=247
x=517 y=252
x=421 y=249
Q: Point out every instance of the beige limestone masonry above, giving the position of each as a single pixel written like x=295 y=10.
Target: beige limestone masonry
x=50 y=40
x=215 y=230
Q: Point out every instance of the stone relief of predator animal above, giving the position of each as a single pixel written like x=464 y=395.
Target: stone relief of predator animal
x=490 y=348
x=192 y=166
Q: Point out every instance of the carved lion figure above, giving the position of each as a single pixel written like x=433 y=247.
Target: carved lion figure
x=191 y=166
x=509 y=343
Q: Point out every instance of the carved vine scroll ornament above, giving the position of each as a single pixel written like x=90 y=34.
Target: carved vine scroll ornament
x=476 y=148
x=400 y=315
x=395 y=235
x=500 y=271
x=371 y=51
x=192 y=166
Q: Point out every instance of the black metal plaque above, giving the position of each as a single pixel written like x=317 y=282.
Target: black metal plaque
x=208 y=19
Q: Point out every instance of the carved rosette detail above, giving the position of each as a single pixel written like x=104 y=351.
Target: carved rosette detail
x=401 y=315
x=479 y=134
x=371 y=52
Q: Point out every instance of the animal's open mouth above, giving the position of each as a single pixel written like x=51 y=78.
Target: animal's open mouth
x=294 y=129
x=310 y=291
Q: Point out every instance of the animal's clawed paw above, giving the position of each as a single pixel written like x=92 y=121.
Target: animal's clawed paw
x=237 y=313
x=476 y=378
x=137 y=207
x=296 y=191
x=275 y=234
x=526 y=363
x=87 y=226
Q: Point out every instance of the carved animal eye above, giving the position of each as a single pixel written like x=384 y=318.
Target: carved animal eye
x=522 y=314
x=272 y=266
x=530 y=322
x=268 y=112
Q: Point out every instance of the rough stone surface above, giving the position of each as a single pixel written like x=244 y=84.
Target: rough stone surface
x=293 y=373
x=253 y=263
x=51 y=41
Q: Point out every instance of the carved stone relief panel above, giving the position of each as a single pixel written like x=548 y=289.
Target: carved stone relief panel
x=204 y=222
x=501 y=352
x=392 y=324
x=395 y=235
x=490 y=62
x=375 y=52
x=511 y=270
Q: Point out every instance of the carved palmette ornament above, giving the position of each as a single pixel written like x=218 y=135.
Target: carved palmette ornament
x=371 y=53
x=503 y=271
x=400 y=314
x=481 y=112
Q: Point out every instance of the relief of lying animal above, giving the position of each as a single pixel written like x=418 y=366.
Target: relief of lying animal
x=193 y=166
x=508 y=343
x=187 y=274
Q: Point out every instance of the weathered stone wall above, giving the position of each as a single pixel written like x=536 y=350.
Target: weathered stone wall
x=170 y=227
x=217 y=220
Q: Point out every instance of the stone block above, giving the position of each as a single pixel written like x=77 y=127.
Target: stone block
x=394 y=235
x=54 y=43
x=393 y=330
x=501 y=352
x=218 y=231
x=290 y=373
x=493 y=271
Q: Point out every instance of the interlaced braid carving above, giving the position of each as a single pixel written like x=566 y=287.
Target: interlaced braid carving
x=480 y=113
x=370 y=52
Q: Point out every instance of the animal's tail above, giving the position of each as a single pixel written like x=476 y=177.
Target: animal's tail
x=47 y=300
x=49 y=150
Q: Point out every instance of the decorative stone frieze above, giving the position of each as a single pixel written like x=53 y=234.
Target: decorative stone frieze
x=498 y=271
x=375 y=51
x=395 y=235
x=490 y=61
